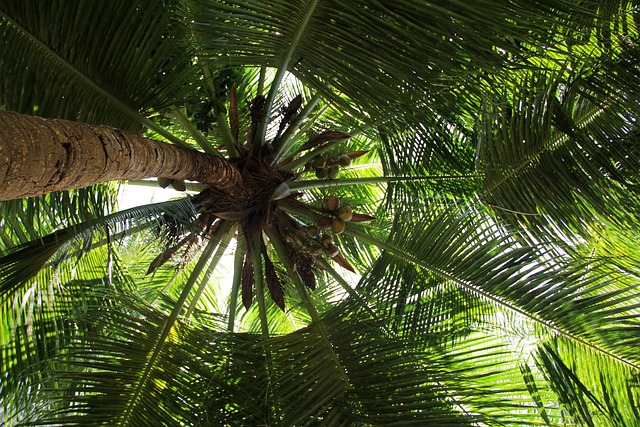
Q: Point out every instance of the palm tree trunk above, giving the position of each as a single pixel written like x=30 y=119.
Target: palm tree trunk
x=39 y=155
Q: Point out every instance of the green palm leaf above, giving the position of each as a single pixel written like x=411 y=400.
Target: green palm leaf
x=140 y=68
x=471 y=253
x=603 y=392
x=571 y=157
x=28 y=219
x=24 y=262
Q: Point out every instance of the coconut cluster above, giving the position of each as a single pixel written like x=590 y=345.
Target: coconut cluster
x=321 y=242
x=329 y=167
x=335 y=222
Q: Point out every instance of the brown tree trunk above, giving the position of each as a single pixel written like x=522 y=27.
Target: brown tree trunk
x=39 y=155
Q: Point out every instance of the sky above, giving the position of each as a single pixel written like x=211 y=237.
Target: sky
x=136 y=195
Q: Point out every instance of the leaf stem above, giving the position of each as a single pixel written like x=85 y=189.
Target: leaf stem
x=282 y=69
x=237 y=279
x=229 y=141
x=305 y=185
x=166 y=330
x=221 y=119
x=258 y=275
x=261 y=77
x=301 y=290
x=191 y=186
x=222 y=247
x=301 y=161
x=195 y=133
x=282 y=145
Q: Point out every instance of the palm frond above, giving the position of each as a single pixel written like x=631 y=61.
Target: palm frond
x=496 y=275
x=28 y=219
x=345 y=43
x=570 y=155
x=600 y=395
x=116 y=361
x=24 y=262
x=143 y=65
x=470 y=252
x=42 y=325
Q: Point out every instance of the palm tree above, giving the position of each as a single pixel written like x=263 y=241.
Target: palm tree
x=431 y=218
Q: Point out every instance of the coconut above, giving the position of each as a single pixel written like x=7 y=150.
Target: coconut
x=179 y=185
x=315 y=250
x=344 y=160
x=345 y=213
x=333 y=251
x=319 y=161
x=332 y=203
x=327 y=240
x=164 y=181
x=324 y=223
x=338 y=226
x=313 y=231
x=321 y=173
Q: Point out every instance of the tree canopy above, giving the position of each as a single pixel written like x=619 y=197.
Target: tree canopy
x=437 y=223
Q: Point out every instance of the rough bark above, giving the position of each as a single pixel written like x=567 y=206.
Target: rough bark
x=39 y=155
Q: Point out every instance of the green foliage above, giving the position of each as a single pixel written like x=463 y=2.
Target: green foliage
x=496 y=283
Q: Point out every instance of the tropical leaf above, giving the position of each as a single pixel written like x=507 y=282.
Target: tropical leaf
x=73 y=74
x=599 y=395
x=569 y=158
x=28 y=219
x=24 y=262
